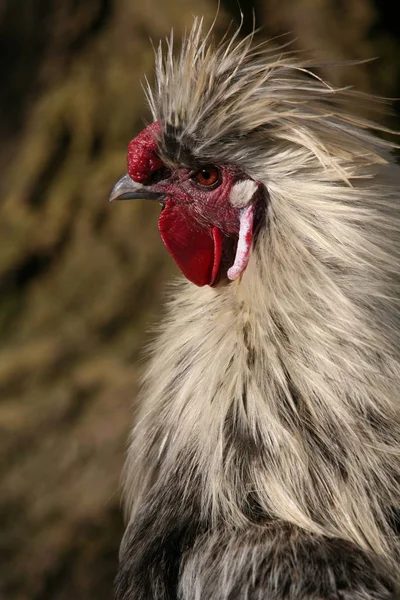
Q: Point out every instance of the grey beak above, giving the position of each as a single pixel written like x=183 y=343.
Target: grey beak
x=127 y=189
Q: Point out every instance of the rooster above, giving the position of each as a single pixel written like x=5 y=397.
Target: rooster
x=265 y=462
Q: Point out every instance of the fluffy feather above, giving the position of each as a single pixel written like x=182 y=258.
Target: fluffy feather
x=273 y=398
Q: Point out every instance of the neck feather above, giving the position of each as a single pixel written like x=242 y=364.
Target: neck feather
x=280 y=390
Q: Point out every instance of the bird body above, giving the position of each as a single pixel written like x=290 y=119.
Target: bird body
x=265 y=460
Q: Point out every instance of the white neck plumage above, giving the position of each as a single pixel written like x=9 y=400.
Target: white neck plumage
x=279 y=390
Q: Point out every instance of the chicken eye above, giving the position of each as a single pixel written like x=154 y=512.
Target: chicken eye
x=208 y=176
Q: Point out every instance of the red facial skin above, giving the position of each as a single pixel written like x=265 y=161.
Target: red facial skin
x=196 y=220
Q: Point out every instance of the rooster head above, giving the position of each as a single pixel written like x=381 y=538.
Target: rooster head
x=208 y=210
x=253 y=158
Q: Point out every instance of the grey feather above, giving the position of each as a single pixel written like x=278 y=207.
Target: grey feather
x=268 y=440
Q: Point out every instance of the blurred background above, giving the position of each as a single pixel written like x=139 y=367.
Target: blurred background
x=81 y=281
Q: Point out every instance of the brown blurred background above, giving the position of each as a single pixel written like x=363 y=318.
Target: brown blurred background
x=80 y=280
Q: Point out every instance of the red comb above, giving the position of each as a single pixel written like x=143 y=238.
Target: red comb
x=142 y=154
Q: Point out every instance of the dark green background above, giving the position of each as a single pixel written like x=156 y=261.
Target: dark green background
x=80 y=280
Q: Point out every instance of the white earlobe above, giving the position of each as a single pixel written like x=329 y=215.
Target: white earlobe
x=242 y=192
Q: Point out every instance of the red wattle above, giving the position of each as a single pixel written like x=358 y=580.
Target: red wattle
x=217 y=238
x=195 y=249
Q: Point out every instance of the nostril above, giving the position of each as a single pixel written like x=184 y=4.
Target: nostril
x=159 y=175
